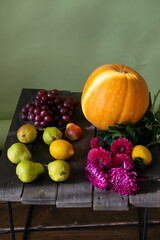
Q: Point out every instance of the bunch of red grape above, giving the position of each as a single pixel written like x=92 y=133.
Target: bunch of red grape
x=49 y=109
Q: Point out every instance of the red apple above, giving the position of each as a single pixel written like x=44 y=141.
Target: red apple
x=73 y=132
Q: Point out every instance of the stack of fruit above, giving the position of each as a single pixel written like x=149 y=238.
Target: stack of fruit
x=60 y=149
x=49 y=109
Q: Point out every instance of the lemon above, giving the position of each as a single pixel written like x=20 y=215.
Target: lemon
x=59 y=170
x=61 y=149
x=141 y=156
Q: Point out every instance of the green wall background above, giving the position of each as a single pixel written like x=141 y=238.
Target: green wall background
x=58 y=43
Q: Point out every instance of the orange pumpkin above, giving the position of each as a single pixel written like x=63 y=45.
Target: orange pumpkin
x=114 y=93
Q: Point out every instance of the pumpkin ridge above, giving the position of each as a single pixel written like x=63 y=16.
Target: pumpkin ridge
x=94 y=83
x=118 y=120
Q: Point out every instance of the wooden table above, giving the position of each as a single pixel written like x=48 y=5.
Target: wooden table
x=76 y=192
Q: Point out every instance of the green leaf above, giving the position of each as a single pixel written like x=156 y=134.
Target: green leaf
x=112 y=129
x=157 y=116
x=148 y=126
x=107 y=138
x=130 y=129
x=154 y=101
x=117 y=134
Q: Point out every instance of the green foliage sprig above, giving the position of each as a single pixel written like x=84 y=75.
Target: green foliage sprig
x=145 y=132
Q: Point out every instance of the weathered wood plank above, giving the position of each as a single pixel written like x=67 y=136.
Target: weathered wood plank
x=76 y=191
x=149 y=195
x=109 y=201
x=49 y=215
x=10 y=187
x=129 y=232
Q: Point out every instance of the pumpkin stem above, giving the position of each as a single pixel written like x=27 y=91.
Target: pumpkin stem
x=122 y=71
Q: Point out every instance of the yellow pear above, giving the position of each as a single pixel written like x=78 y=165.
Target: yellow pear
x=18 y=152
x=50 y=134
x=59 y=170
x=28 y=171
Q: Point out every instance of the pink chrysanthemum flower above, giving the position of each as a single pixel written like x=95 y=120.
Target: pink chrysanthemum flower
x=96 y=175
x=94 y=143
x=122 y=160
x=122 y=145
x=100 y=156
x=123 y=181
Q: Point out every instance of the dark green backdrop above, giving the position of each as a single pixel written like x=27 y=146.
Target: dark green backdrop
x=58 y=43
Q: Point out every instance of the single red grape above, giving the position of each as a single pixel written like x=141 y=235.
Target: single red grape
x=38 y=118
x=37 y=111
x=66 y=104
x=31 y=109
x=47 y=119
x=57 y=101
x=44 y=98
x=66 y=118
x=42 y=92
x=59 y=105
x=29 y=104
x=37 y=124
x=44 y=107
x=51 y=95
x=24 y=117
x=43 y=124
x=31 y=117
x=55 y=91
x=38 y=97
x=43 y=113
x=37 y=103
x=25 y=110
x=63 y=110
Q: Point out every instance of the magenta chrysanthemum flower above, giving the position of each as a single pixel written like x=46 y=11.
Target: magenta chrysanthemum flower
x=94 y=143
x=122 y=145
x=123 y=181
x=96 y=175
x=100 y=156
x=122 y=160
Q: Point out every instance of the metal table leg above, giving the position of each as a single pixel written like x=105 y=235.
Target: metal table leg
x=11 y=220
x=139 y=224
x=27 y=222
x=145 y=224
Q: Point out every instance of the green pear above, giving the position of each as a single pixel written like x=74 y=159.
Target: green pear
x=18 y=152
x=50 y=134
x=59 y=170
x=28 y=171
